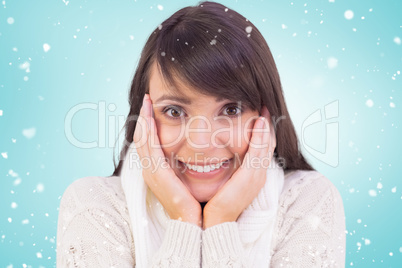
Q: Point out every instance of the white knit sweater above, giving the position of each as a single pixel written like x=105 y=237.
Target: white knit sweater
x=94 y=229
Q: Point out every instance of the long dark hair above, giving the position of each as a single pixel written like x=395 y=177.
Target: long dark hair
x=219 y=52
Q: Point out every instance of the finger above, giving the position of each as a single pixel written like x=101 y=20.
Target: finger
x=154 y=146
x=272 y=140
x=141 y=134
x=256 y=141
x=267 y=138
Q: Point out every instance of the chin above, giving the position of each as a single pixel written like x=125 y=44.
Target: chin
x=204 y=193
x=203 y=198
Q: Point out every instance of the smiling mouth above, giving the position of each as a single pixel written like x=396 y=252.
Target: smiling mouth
x=204 y=168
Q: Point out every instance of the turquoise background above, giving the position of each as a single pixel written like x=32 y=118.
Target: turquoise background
x=94 y=49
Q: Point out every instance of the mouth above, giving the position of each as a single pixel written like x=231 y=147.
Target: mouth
x=204 y=170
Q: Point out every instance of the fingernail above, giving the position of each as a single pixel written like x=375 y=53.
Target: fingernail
x=261 y=121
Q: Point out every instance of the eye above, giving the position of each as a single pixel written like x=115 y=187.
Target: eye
x=173 y=112
x=232 y=110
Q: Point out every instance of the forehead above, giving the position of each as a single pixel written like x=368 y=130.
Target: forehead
x=159 y=88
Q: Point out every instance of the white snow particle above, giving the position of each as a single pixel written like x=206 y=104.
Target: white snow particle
x=39 y=255
x=332 y=1
x=14 y=205
x=29 y=133
x=10 y=20
x=26 y=78
x=46 y=47
x=160 y=7
x=131 y=37
x=40 y=187
x=373 y=193
x=12 y=173
x=17 y=181
x=1 y=112
x=351 y=190
x=367 y=242
x=397 y=40
x=160 y=27
x=249 y=29
x=26 y=221
x=10 y=220
x=393 y=190
x=391 y=254
x=392 y=105
x=379 y=185
x=349 y=14
x=369 y=103
x=25 y=66
x=4 y=155
x=332 y=62
x=359 y=221
x=213 y=42
x=314 y=221
x=284 y=26
x=226 y=9
x=163 y=54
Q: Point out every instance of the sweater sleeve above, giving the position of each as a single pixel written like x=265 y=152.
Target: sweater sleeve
x=222 y=247
x=309 y=231
x=181 y=246
x=93 y=230
x=311 y=226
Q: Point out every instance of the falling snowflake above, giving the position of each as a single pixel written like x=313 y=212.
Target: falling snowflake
x=332 y=62
x=46 y=47
x=369 y=103
x=348 y=14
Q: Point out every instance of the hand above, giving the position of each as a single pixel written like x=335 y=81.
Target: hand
x=159 y=176
x=245 y=184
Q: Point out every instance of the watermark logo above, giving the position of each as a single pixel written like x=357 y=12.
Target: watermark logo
x=109 y=138
x=330 y=154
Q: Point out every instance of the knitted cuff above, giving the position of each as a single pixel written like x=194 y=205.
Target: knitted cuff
x=182 y=240
x=222 y=241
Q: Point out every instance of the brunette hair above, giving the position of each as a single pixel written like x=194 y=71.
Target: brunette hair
x=219 y=52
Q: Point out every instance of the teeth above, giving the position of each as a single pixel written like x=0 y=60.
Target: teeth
x=204 y=169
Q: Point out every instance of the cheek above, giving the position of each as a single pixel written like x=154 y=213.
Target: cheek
x=169 y=135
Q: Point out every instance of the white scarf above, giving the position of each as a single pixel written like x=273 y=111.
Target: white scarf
x=149 y=219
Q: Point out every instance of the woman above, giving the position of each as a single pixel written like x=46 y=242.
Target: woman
x=211 y=174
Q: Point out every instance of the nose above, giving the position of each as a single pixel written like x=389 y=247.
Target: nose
x=198 y=132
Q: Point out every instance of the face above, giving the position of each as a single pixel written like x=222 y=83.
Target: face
x=204 y=138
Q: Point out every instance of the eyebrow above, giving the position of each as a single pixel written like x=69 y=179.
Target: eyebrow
x=174 y=98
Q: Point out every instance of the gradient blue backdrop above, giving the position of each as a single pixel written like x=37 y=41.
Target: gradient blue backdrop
x=55 y=55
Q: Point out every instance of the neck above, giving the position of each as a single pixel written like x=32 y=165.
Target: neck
x=203 y=205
